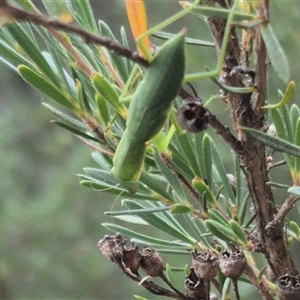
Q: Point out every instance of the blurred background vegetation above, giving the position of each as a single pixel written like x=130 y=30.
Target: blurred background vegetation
x=49 y=223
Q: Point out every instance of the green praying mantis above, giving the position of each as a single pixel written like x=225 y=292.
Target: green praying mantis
x=148 y=110
x=152 y=101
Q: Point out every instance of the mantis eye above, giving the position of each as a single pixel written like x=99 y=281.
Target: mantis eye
x=192 y=116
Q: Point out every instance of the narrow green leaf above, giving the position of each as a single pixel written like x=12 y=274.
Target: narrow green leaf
x=157 y=222
x=238 y=182
x=218 y=13
x=180 y=209
x=128 y=63
x=74 y=122
x=170 y=177
x=179 y=163
x=118 y=61
x=174 y=251
x=165 y=216
x=12 y=55
x=58 y=10
x=218 y=217
x=131 y=219
x=276 y=53
x=102 y=160
x=41 y=84
x=153 y=184
x=80 y=95
x=278 y=122
x=173 y=277
x=296 y=168
x=229 y=194
x=205 y=191
x=289 y=93
x=102 y=109
x=27 y=4
x=273 y=142
x=101 y=175
x=199 y=228
x=281 y=132
x=54 y=59
x=243 y=208
x=239 y=232
x=139 y=297
x=89 y=52
x=140 y=211
x=188 y=150
x=31 y=49
x=226 y=288
x=294 y=115
x=207 y=159
x=115 y=190
x=219 y=231
x=108 y=92
x=84 y=15
x=222 y=232
x=75 y=131
x=294 y=226
x=166 y=36
x=143 y=239
x=287 y=122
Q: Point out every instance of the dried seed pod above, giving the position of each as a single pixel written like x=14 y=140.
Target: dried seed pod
x=151 y=262
x=205 y=264
x=132 y=258
x=112 y=247
x=288 y=287
x=233 y=264
x=192 y=116
x=195 y=288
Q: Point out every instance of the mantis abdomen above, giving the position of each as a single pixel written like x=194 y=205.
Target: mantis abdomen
x=148 y=110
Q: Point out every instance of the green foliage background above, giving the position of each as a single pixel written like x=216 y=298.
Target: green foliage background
x=49 y=223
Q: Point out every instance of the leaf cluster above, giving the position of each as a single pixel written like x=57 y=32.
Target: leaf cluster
x=185 y=192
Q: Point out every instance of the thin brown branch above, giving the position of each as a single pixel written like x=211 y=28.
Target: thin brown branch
x=261 y=285
x=236 y=289
x=246 y=112
x=277 y=164
x=220 y=129
x=12 y=12
x=167 y=281
x=277 y=223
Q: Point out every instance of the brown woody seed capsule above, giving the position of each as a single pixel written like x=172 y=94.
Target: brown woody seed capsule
x=195 y=288
x=112 y=247
x=205 y=264
x=151 y=262
x=288 y=287
x=192 y=116
x=233 y=264
x=132 y=258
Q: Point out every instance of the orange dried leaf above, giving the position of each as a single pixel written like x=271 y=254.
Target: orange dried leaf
x=136 y=13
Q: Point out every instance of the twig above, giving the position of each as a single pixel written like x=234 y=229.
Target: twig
x=207 y=287
x=151 y=286
x=261 y=285
x=277 y=164
x=18 y=14
x=276 y=224
x=236 y=289
x=166 y=280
